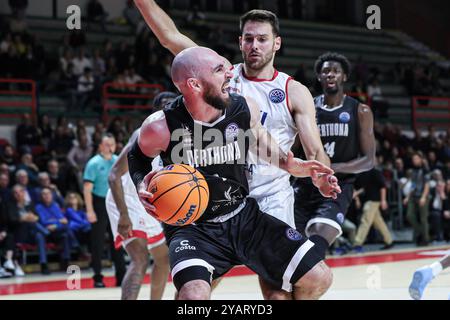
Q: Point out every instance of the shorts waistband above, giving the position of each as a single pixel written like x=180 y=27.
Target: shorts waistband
x=228 y=216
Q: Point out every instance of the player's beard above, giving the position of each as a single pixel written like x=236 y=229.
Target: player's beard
x=258 y=65
x=215 y=100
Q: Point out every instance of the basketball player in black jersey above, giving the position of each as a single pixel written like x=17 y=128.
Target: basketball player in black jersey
x=346 y=131
x=232 y=230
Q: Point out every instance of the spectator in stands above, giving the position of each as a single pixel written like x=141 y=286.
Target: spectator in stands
x=99 y=131
x=23 y=223
x=45 y=129
x=446 y=212
x=79 y=155
x=417 y=201
x=81 y=62
x=131 y=77
x=78 y=222
x=96 y=13
x=375 y=202
x=437 y=198
x=44 y=182
x=65 y=60
x=61 y=143
x=9 y=157
x=53 y=219
x=447 y=169
x=432 y=162
x=98 y=65
x=26 y=163
x=59 y=177
x=23 y=180
x=399 y=166
x=27 y=133
x=85 y=89
x=5 y=191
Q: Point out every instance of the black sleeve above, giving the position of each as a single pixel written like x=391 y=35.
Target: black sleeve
x=139 y=165
x=379 y=178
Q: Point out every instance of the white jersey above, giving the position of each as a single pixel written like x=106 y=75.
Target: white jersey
x=144 y=225
x=271 y=96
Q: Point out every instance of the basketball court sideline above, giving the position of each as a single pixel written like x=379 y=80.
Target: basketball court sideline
x=370 y=276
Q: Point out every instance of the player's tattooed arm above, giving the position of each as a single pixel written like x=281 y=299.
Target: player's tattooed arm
x=301 y=104
x=268 y=150
x=163 y=27
x=367 y=145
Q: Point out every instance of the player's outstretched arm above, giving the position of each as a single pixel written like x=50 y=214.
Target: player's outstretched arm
x=268 y=150
x=163 y=27
x=154 y=137
x=367 y=145
x=304 y=112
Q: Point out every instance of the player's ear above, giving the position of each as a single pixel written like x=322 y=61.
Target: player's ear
x=240 y=42
x=344 y=78
x=277 y=43
x=193 y=84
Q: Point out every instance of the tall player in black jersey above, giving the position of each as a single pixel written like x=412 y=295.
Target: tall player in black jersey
x=346 y=131
x=232 y=230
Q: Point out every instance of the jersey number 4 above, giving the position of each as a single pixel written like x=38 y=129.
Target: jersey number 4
x=329 y=148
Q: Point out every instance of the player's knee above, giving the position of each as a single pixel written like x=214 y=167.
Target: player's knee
x=317 y=280
x=160 y=256
x=194 y=290
x=141 y=263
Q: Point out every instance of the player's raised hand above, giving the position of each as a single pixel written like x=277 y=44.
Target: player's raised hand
x=327 y=185
x=302 y=169
x=145 y=196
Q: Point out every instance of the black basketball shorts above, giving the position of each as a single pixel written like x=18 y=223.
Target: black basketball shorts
x=311 y=207
x=266 y=245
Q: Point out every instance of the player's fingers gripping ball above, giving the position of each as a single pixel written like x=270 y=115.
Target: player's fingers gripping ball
x=180 y=194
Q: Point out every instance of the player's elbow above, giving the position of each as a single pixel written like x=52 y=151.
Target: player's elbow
x=112 y=178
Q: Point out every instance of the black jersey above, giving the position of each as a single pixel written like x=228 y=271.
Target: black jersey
x=339 y=131
x=218 y=150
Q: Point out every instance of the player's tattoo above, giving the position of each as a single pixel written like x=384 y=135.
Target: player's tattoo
x=131 y=286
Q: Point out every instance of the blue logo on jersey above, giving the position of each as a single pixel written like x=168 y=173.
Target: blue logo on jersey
x=344 y=117
x=231 y=131
x=277 y=95
x=340 y=217
x=293 y=234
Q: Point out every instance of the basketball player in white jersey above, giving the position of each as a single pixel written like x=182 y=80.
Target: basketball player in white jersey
x=133 y=228
x=287 y=108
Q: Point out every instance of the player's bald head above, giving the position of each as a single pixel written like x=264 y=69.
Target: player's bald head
x=193 y=63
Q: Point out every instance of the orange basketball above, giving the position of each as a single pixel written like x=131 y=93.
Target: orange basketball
x=180 y=194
